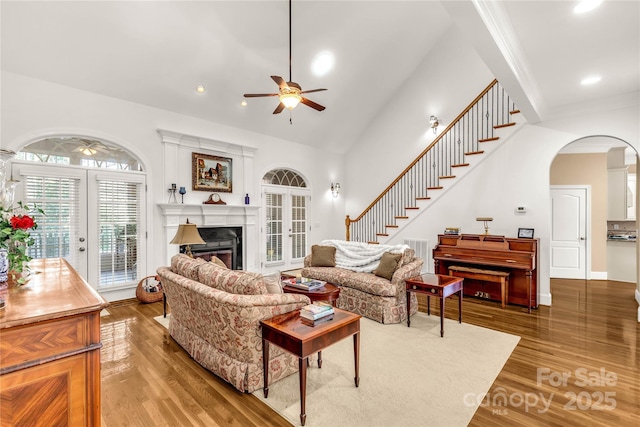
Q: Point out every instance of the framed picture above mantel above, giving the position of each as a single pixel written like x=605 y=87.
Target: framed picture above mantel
x=211 y=173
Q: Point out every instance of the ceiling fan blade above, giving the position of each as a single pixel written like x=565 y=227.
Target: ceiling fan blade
x=280 y=82
x=312 y=104
x=312 y=90
x=255 y=95
x=279 y=108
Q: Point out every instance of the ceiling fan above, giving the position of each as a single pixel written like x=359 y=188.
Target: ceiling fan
x=290 y=92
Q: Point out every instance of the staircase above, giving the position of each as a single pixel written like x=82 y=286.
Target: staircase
x=487 y=122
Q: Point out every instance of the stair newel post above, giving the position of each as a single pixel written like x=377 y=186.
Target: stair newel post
x=347 y=222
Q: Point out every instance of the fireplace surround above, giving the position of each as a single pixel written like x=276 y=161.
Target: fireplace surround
x=234 y=227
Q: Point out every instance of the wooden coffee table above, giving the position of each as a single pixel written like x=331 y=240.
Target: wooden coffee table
x=328 y=293
x=288 y=332
x=436 y=285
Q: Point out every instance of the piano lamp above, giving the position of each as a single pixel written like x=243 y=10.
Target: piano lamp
x=486 y=220
x=188 y=235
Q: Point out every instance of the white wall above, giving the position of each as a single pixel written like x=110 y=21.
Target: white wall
x=401 y=131
x=32 y=109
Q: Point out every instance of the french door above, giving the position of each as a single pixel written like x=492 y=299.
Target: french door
x=286 y=227
x=93 y=218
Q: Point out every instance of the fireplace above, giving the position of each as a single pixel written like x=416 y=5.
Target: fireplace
x=222 y=242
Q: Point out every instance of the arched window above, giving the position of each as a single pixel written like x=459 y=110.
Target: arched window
x=284 y=177
x=74 y=150
x=286 y=200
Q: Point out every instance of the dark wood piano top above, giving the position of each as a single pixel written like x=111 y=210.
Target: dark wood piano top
x=497 y=251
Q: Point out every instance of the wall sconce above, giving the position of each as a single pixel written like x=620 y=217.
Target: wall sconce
x=335 y=189
x=434 y=123
x=486 y=221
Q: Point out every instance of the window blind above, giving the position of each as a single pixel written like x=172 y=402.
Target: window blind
x=119 y=215
x=58 y=230
x=298 y=226
x=274 y=226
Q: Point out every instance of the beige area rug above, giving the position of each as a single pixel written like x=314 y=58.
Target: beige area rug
x=408 y=376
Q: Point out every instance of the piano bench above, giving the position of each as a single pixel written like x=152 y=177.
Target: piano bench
x=492 y=276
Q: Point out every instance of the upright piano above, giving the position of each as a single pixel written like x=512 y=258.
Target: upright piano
x=518 y=257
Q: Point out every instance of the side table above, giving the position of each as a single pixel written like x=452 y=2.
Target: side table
x=436 y=285
x=290 y=333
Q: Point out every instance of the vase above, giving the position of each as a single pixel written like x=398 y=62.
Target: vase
x=4 y=265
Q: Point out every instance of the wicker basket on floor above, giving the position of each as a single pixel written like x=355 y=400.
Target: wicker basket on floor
x=145 y=296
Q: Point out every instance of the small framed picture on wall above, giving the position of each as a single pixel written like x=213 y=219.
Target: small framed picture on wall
x=211 y=173
x=525 y=233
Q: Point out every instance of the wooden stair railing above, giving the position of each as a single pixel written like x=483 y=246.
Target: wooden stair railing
x=491 y=110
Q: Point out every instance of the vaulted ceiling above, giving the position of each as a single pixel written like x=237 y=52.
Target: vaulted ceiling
x=156 y=52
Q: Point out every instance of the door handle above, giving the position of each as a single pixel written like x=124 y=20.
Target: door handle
x=582 y=238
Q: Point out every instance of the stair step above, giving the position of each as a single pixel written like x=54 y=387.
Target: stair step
x=412 y=208
x=373 y=243
x=434 y=188
x=446 y=177
x=402 y=217
x=514 y=112
x=495 y=138
x=423 y=198
x=473 y=153
x=460 y=165
x=392 y=226
x=504 y=125
x=382 y=234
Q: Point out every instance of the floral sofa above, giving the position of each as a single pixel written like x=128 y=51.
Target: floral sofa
x=215 y=317
x=364 y=292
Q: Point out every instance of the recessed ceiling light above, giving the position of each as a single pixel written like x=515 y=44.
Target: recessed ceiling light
x=243 y=103
x=322 y=63
x=200 y=89
x=586 y=6
x=590 y=80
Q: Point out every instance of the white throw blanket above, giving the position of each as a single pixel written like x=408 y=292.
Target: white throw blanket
x=361 y=257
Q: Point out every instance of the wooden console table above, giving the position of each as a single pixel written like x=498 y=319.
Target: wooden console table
x=50 y=347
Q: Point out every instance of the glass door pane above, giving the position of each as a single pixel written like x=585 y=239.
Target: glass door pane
x=274 y=223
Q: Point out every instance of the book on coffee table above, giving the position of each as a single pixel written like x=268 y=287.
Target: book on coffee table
x=305 y=284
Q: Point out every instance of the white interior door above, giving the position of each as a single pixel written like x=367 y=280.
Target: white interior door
x=569 y=232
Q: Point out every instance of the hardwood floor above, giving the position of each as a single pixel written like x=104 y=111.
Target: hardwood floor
x=590 y=335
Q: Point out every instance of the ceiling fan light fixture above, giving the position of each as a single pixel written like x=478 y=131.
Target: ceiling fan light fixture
x=290 y=100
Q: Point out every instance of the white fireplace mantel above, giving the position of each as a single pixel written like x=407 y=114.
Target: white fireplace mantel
x=202 y=215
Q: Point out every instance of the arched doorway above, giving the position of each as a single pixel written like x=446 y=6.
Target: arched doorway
x=600 y=169
x=93 y=194
x=285 y=196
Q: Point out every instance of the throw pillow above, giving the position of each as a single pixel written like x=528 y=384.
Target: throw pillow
x=272 y=282
x=388 y=264
x=323 y=256
x=217 y=261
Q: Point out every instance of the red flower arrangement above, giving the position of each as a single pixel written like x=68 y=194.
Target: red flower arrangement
x=23 y=222
x=15 y=224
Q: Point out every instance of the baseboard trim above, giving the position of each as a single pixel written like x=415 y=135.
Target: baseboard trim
x=544 y=299
x=598 y=275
